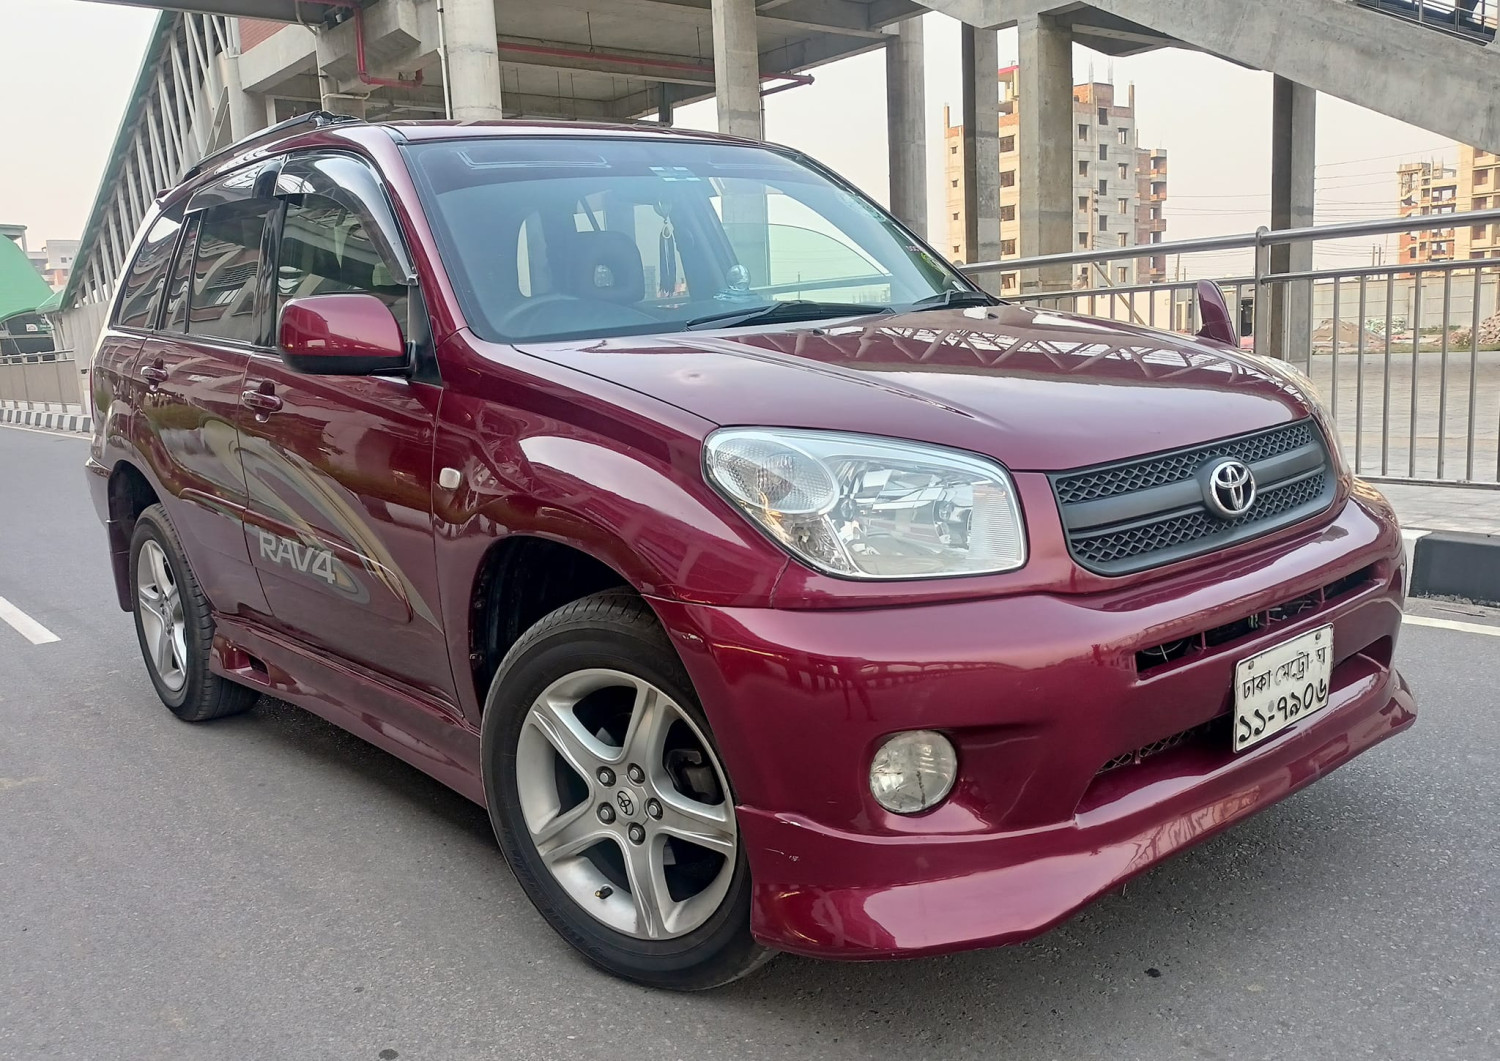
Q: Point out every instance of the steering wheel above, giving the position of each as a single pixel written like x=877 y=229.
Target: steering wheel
x=555 y=312
x=523 y=314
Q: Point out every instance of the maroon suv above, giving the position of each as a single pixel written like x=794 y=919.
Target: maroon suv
x=772 y=586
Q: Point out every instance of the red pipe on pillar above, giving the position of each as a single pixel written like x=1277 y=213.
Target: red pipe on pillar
x=362 y=71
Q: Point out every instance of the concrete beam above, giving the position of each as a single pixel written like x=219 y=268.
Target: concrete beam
x=285 y=55
x=906 y=123
x=1045 y=174
x=646 y=66
x=1293 y=147
x=1407 y=72
x=845 y=17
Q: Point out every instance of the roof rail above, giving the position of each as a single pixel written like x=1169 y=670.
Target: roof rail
x=311 y=120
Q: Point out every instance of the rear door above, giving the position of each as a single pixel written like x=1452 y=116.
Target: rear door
x=339 y=468
x=194 y=368
x=117 y=390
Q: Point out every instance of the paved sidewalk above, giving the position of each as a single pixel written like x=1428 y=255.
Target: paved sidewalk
x=1450 y=508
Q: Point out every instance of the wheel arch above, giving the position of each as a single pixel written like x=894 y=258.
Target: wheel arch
x=129 y=493
x=520 y=579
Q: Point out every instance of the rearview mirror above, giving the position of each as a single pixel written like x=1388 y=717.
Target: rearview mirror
x=1213 y=311
x=340 y=335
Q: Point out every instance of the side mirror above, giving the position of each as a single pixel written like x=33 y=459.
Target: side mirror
x=1213 y=311
x=340 y=335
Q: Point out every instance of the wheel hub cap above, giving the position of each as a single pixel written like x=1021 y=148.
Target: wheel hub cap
x=163 y=628
x=632 y=844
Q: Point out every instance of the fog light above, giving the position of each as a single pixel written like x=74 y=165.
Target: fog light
x=913 y=771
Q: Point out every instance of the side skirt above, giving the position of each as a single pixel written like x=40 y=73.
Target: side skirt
x=414 y=728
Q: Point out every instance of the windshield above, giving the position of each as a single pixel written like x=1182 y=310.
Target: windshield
x=551 y=238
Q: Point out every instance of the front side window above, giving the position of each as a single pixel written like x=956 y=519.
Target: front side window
x=147 y=278
x=563 y=239
x=226 y=272
x=326 y=248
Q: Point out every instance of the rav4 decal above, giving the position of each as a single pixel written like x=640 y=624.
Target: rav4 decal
x=307 y=559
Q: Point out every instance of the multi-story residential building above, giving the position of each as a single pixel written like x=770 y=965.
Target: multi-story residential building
x=1478 y=189
x=1119 y=188
x=1426 y=189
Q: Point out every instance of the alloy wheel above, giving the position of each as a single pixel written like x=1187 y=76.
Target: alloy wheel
x=626 y=803
x=162 y=625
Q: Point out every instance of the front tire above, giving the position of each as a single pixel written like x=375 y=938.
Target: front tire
x=175 y=625
x=610 y=802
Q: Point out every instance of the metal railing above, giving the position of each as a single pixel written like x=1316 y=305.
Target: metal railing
x=1407 y=354
x=1474 y=19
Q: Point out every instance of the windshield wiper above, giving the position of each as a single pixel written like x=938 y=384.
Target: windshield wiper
x=798 y=309
x=945 y=299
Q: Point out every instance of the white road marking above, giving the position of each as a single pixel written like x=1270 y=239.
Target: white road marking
x=1452 y=624
x=25 y=625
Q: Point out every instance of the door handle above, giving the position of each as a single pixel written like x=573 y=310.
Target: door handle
x=262 y=399
x=154 y=375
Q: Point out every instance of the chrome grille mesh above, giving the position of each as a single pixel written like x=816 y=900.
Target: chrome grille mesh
x=1175 y=467
x=1143 y=513
x=1107 y=548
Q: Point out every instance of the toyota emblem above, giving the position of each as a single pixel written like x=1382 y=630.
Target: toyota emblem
x=1229 y=489
x=627 y=805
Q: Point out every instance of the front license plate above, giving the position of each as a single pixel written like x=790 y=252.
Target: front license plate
x=1274 y=688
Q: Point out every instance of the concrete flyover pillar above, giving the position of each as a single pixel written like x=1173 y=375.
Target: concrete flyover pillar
x=737 y=69
x=1045 y=104
x=1293 y=129
x=981 y=94
x=906 y=123
x=737 y=90
x=473 y=59
x=245 y=112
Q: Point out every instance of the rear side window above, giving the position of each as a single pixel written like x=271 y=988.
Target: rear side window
x=148 y=276
x=327 y=249
x=226 y=273
x=182 y=272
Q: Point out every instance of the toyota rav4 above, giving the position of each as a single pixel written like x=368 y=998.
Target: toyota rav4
x=772 y=585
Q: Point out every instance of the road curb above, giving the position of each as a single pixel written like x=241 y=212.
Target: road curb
x=48 y=415
x=1457 y=564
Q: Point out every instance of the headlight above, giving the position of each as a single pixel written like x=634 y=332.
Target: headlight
x=913 y=771
x=863 y=507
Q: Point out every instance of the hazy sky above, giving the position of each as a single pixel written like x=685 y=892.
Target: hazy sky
x=69 y=65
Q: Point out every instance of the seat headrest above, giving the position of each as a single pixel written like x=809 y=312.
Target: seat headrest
x=607 y=266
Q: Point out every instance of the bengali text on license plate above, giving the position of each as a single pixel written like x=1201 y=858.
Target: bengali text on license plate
x=1274 y=688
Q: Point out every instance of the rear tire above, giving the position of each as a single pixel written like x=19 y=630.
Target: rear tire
x=175 y=626
x=596 y=749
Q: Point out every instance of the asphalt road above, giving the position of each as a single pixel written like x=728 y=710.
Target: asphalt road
x=270 y=887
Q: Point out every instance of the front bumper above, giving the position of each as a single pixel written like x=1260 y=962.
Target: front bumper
x=1040 y=693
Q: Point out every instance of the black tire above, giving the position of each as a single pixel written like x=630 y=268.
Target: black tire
x=202 y=695
x=616 y=630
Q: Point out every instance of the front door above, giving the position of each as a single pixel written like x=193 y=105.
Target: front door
x=339 y=468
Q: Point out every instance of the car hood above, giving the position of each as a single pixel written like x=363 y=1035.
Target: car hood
x=1038 y=390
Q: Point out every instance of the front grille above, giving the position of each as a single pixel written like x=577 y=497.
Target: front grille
x=1174 y=467
x=1142 y=513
